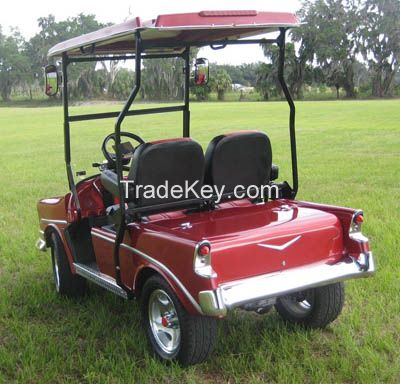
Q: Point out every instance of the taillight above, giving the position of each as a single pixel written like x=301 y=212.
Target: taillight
x=355 y=227
x=359 y=219
x=202 y=260
x=203 y=250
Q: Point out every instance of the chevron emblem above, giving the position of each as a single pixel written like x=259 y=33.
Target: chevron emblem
x=280 y=247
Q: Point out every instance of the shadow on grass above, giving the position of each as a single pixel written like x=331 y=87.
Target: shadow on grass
x=103 y=328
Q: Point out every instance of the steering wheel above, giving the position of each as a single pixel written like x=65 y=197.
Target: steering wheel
x=112 y=157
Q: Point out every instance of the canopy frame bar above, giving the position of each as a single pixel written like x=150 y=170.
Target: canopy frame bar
x=205 y=43
x=138 y=57
x=85 y=59
x=292 y=116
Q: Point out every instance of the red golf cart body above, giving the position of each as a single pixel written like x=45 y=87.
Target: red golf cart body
x=259 y=251
x=256 y=250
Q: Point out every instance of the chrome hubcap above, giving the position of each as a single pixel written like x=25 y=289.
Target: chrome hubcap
x=164 y=321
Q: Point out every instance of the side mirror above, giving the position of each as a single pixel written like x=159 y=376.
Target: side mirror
x=51 y=80
x=201 y=71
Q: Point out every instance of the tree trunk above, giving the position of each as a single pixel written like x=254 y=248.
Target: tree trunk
x=388 y=81
x=383 y=80
x=221 y=95
x=376 y=82
x=296 y=88
x=337 y=86
x=6 y=91
x=348 y=83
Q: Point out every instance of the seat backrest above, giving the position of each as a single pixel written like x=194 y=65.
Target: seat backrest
x=239 y=158
x=172 y=161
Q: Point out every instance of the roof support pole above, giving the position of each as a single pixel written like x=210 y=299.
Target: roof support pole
x=292 y=117
x=186 y=111
x=120 y=119
x=67 y=135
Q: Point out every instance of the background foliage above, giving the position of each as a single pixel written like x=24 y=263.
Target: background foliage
x=347 y=45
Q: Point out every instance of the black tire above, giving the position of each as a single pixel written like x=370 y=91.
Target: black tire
x=197 y=334
x=324 y=305
x=66 y=283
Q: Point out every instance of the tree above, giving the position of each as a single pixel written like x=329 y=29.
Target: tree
x=295 y=62
x=14 y=64
x=52 y=32
x=264 y=80
x=123 y=83
x=244 y=74
x=379 y=42
x=334 y=76
x=200 y=91
x=162 y=79
x=329 y=35
x=220 y=83
x=294 y=69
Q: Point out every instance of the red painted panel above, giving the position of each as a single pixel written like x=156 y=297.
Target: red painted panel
x=246 y=239
x=235 y=234
x=90 y=194
x=204 y=18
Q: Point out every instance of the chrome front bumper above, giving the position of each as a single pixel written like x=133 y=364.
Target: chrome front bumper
x=41 y=243
x=236 y=293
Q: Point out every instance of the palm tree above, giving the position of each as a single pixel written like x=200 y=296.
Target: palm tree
x=221 y=83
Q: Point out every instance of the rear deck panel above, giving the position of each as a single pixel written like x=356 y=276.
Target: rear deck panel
x=253 y=239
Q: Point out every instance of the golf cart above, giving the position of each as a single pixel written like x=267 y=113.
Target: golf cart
x=190 y=259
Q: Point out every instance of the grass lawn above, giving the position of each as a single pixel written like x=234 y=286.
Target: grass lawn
x=349 y=154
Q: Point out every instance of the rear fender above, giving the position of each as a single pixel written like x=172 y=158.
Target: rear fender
x=345 y=216
x=146 y=270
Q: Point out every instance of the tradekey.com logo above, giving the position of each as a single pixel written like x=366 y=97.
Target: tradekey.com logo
x=189 y=190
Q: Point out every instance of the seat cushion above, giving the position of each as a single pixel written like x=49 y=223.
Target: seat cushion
x=175 y=161
x=239 y=158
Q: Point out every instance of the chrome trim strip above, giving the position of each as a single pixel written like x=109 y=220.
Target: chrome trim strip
x=48 y=221
x=168 y=272
x=158 y=264
x=280 y=247
x=237 y=293
x=100 y=279
x=101 y=236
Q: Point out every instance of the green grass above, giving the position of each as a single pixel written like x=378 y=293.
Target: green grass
x=349 y=154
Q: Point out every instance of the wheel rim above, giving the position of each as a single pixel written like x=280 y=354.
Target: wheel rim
x=300 y=303
x=56 y=272
x=164 y=321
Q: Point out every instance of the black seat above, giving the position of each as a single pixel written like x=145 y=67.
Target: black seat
x=175 y=161
x=239 y=158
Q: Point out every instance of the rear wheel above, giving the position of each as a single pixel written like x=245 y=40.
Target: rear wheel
x=173 y=333
x=313 y=308
x=65 y=281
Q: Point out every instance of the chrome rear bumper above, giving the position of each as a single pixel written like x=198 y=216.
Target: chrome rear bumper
x=236 y=293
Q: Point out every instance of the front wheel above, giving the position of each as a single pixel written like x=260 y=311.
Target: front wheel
x=65 y=281
x=313 y=308
x=173 y=333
